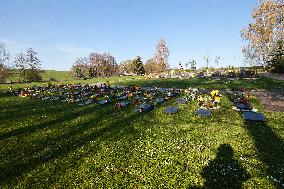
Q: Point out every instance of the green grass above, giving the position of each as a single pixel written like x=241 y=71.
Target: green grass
x=56 y=145
x=62 y=77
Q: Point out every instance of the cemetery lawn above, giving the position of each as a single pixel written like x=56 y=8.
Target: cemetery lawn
x=45 y=144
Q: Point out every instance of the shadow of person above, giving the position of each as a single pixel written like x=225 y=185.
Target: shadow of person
x=224 y=171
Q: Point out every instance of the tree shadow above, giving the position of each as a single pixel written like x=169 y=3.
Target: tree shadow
x=270 y=150
x=25 y=155
x=64 y=117
x=224 y=171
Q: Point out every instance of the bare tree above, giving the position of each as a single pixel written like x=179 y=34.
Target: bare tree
x=20 y=63
x=192 y=64
x=4 y=59
x=104 y=65
x=33 y=66
x=207 y=60
x=161 y=56
x=81 y=68
x=217 y=60
x=126 y=67
x=150 y=66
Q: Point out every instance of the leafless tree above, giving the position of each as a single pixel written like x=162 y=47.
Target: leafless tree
x=4 y=59
x=161 y=57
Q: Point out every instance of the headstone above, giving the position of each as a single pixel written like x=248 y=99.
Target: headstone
x=217 y=74
x=204 y=112
x=161 y=90
x=145 y=108
x=253 y=116
x=170 y=94
x=160 y=100
x=244 y=107
x=102 y=101
x=88 y=102
x=182 y=100
x=171 y=110
x=122 y=97
x=124 y=104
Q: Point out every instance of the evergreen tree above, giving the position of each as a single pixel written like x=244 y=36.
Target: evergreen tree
x=276 y=62
x=138 y=67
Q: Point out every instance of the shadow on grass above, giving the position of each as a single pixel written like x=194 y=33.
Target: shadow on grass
x=65 y=116
x=270 y=149
x=224 y=171
x=24 y=154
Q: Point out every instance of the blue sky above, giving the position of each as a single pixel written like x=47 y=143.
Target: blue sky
x=63 y=30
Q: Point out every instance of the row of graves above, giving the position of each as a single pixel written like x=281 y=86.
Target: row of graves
x=245 y=73
x=143 y=99
x=243 y=104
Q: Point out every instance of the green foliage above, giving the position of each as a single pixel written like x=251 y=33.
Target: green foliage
x=29 y=66
x=138 y=67
x=31 y=75
x=91 y=72
x=276 y=63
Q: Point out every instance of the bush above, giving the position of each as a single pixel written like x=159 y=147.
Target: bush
x=32 y=75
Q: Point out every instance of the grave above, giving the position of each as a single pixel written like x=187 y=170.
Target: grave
x=182 y=101
x=253 y=116
x=171 y=110
x=204 y=112
x=216 y=75
x=144 y=108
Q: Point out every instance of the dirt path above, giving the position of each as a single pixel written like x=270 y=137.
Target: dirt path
x=272 y=101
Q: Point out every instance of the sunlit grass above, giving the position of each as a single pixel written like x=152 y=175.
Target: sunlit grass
x=47 y=144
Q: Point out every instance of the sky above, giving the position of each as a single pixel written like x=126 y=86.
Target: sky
x=61 y=31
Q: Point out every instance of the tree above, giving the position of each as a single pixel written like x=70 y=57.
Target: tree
x=193 y=64
x=33 y=66
x=186 y=64
x=126 y=67
x=80 y=68
x=161 y=57
x=207 y=60
x=91 y=72
x=20 y=63
x=3 y=73
x=217 y=60
x=251 y=55
x=104 y=65
x=4 y=59
x=138 y=67
x=266 y=29
x=276 y=61
x=150 y=66
x=180 y=65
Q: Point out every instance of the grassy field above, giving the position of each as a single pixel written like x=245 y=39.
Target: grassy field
x=59 y=76
x=47 y=144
